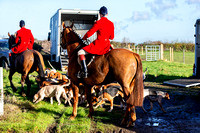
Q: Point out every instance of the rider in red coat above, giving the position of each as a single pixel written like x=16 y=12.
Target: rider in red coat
x=24 y=39
x=105 y=31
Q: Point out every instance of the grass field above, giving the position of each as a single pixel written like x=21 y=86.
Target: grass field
x=159 y=71
x=21 y=115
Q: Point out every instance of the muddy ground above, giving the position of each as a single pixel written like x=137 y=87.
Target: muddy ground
x=183 y=112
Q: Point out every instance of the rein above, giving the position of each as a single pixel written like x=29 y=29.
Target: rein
x=79 y=40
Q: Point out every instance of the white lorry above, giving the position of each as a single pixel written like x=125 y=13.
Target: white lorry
x=83 y=20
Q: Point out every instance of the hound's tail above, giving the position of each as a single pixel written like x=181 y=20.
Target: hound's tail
x=67 y=84
x=50 y=65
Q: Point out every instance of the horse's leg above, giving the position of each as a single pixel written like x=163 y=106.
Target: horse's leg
x=75 y=97
x=125 y=119
x=23 y=78
x=10 y=78
x=125 y=88
x=133 y=117
x=28 y=85
x=89 y=97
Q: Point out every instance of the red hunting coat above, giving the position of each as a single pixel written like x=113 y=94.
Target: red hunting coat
x=105 y=31
x=24 y=39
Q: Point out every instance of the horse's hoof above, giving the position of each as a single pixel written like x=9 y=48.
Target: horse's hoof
x=72 y=118
x=131 y=124
x=90 y=116
x=14 y=89
x=110 y=110
x=23 y=94
x=124 y=122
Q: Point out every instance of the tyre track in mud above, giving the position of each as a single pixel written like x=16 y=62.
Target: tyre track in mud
x=53 y=127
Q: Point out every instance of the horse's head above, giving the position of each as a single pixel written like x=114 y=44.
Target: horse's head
x=70 y=39
x=11 y=40
x=66 y=35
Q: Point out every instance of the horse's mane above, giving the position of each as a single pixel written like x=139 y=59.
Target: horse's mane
x=11 y=41
x=80 y=40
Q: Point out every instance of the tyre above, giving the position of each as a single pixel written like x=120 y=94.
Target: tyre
x=4 y=64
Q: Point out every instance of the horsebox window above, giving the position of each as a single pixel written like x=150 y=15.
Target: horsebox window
x=81 y=21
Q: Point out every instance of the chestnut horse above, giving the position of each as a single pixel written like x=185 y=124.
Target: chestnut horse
x=119 y=65
x=26 y=63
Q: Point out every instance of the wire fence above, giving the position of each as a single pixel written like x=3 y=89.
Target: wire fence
x=156 y=52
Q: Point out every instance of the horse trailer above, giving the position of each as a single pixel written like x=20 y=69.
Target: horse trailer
x=83 y=20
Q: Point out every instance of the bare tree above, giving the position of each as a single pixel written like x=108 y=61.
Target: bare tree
x=126 y=40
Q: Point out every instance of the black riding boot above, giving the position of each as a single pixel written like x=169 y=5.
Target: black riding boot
x=12 y=61
x=83 y=73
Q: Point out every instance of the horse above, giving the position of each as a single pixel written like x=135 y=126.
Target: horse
x=26 y=63
x=119 y=65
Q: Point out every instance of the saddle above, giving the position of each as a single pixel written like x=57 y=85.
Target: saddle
x=12 y=59
x=90 y=57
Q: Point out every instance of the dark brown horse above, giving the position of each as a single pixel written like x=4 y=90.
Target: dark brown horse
x=26 y=63
x=119 y=65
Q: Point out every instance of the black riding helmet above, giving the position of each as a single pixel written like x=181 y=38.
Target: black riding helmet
x=21 y=23
x=103 y=10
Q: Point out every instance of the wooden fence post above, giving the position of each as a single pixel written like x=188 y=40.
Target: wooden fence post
x=161 y=52
x=142 y=50
x=184 y=56
x=1 y=91
x=129 y=47
x=137 y=50
x=170 y=54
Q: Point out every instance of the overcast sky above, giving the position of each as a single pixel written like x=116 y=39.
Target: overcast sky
x=137 y=20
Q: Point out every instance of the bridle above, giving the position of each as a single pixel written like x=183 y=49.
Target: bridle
x=80 y=41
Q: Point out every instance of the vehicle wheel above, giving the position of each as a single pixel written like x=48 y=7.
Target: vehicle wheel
x=4 y=64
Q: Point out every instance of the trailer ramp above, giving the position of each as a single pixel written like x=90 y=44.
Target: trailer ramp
x=187 y=82
x=64 y=60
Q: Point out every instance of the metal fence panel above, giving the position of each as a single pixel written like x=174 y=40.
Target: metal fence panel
x=152 y=52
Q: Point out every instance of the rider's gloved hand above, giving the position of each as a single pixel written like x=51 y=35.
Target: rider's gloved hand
x=87 y=41
x=10 y=52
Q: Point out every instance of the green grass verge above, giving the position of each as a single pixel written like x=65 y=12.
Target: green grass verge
x=159 y=71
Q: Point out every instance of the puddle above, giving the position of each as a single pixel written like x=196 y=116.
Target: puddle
x=155 y=119
x=155 y=122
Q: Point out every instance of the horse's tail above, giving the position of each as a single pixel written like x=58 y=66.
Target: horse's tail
x=136 y=97
x=40 y=64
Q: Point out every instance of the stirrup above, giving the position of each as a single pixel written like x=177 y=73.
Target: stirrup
x=82 y=75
